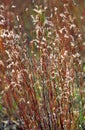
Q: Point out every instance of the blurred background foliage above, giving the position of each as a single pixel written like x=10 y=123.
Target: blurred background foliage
x=24 y=9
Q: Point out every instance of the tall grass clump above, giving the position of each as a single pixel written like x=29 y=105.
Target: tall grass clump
x=42 y=79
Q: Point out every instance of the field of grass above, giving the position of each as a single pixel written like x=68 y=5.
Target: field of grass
x=42 y=69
